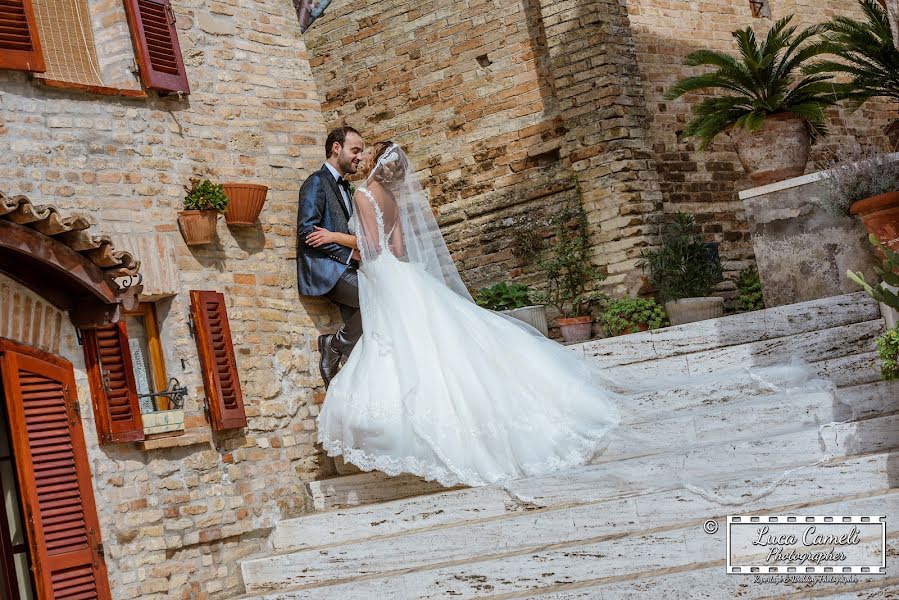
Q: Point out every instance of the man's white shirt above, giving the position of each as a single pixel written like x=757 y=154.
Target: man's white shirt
x=346 y=202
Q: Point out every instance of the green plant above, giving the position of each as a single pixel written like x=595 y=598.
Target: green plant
x=749 y=286
x=682 y=267
x=864 y=52
x=503 y=296
x=629 y=315
x=856 y=175
x=889 y=275
x=764 y=81
x=888 y=351
x=566 y=263
x=204 y=195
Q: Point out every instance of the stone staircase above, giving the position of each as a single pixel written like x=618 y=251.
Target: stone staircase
x=626 y=524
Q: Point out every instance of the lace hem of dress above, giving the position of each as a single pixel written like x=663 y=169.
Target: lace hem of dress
x=449 y=477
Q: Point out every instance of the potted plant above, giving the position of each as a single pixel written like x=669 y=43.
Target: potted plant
x=865 y=184
x=513 y=300
x=570 y=273
x=245 y=202
x=887 y=293
x=684 y=272
x=202 y=204
x=770 y=110
x=749 y=288
x=865 y=52
x=630 y=315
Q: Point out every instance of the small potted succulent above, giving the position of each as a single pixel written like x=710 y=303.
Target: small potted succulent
x=245 y=201
x=630 y=315
x=887 y=293
x=770 y=107
x=684 y=271
x=865 y=184
x=571 y=276
x=749 y=288
x=202 y=204
x=513 y=300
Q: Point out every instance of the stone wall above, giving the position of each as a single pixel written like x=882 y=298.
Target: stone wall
x=177 y=513
x=706 y=183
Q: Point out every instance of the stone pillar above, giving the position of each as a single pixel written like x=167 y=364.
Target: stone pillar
x=593 y=65
x=892 y=7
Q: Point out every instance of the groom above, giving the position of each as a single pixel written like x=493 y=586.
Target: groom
x=329 y=270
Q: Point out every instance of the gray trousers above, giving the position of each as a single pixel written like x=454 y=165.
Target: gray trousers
x=345 y=294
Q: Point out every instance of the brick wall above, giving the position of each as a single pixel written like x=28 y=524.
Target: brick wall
x=463 y=87
x=706 y=183
x=176 y=520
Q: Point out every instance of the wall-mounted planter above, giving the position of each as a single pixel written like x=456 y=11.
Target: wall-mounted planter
x=197 y=226
x=245 y=201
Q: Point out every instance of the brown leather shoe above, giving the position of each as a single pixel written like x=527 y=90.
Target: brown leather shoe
x=329 y=364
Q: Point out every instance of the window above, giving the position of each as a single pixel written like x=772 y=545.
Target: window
x=126 y=371
x=56 y=41
x=760 y=8
x=147 y=358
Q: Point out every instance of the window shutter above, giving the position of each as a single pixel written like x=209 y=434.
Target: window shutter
x=113 y=389
x=216 y=352
x=156 y=46
x=20 y=45
x=54 y=478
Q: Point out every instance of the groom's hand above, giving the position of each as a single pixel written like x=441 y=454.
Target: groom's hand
x=356 y=254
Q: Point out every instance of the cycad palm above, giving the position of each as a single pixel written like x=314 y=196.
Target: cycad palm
x=866 y=54
x=760 y=82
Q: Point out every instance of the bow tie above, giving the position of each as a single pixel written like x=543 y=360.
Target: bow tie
x=344 y=184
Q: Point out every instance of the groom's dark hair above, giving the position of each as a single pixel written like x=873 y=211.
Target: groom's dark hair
x=338 y=135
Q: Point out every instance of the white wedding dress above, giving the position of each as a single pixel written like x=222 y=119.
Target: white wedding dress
x=442 y=388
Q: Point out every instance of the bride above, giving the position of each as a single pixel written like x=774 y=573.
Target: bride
x=438 y=386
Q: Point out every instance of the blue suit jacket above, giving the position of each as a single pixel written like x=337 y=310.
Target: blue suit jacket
x=318 y=269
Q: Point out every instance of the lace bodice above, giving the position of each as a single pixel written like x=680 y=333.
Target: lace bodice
x=383 y=236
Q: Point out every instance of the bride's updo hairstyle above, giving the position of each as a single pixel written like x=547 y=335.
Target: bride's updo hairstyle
x=387 y=172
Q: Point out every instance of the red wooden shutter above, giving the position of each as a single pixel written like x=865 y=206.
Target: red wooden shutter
x=156 y=46
x=113 y=389
x=220 y=376
x=20 y=45
x=54 y=478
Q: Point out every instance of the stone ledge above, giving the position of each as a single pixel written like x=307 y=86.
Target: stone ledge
x=188 y=438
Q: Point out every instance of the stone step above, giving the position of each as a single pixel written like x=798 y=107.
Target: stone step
x=814 y=346
x=743 y=328
x=712 y=583
x=488 y=563
x=490 y=502
x=366 y=488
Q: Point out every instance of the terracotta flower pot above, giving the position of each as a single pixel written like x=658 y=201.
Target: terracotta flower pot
x=575 y=329
x=880 y=215
x=777 y=151
x=635 y=328
x=690 y=310
x=245 y=202
x=197 y=226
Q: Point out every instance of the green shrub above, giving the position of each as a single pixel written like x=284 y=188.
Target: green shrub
x=682 y=267
x=566 y=262
x=503 y=296
x=750 y=288
x=888 y=350
x=626 y=315
x=205 y=195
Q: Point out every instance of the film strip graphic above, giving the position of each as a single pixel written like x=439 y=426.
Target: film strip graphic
x=871 y=524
